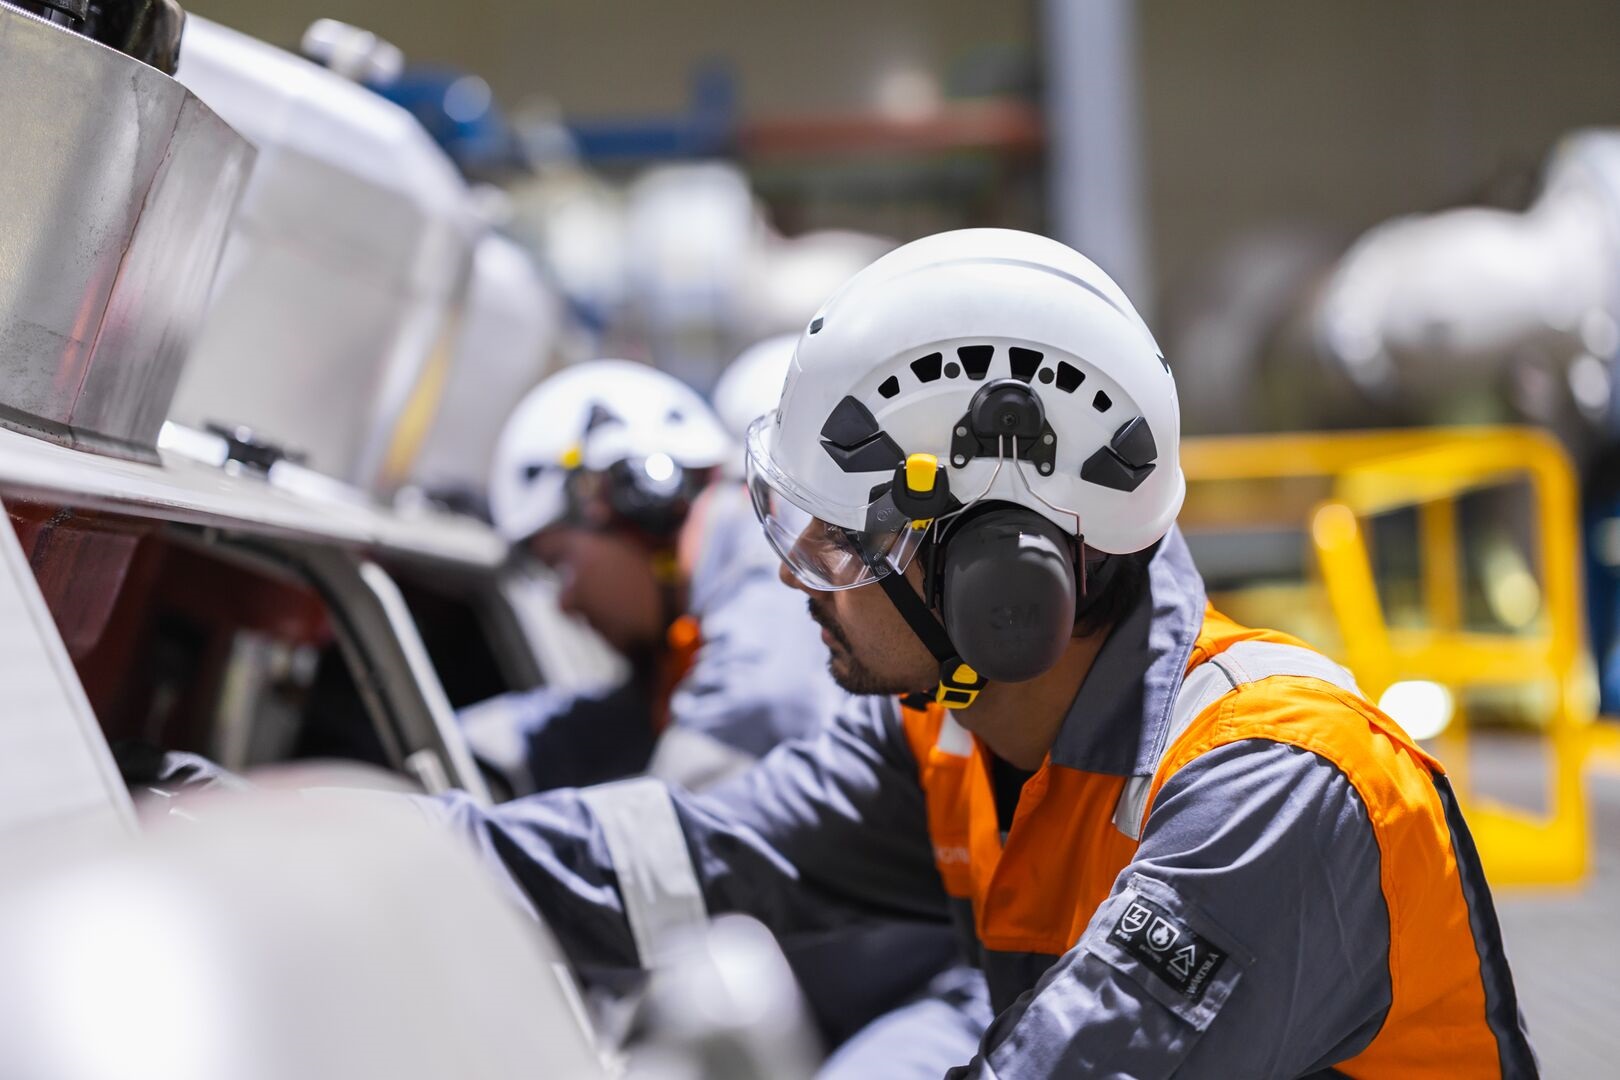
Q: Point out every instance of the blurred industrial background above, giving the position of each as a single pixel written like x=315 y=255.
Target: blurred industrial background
x=1378 y=242
x=1255 y=116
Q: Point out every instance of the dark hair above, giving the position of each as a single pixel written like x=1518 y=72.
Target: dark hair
x=1115 y=584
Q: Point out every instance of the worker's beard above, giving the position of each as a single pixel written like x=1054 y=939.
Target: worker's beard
x=846 y=668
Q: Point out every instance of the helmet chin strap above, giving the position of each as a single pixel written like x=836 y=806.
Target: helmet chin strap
x=959 y=684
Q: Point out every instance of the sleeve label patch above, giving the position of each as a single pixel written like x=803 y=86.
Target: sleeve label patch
x=1168 y=946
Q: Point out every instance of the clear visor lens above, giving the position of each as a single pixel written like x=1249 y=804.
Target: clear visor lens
x=822 y=555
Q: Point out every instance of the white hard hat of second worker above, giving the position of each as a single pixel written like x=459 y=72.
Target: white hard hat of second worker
x=984 y=366
x=752 y=385
x=598 y=416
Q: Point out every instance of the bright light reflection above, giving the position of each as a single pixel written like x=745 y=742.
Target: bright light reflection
x=1422 y=708
x=466 y=99
x=660 y=467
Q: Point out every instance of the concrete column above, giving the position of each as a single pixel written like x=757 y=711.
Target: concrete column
x=1095 y=196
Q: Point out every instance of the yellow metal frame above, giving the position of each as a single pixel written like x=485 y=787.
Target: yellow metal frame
x=1373 y=473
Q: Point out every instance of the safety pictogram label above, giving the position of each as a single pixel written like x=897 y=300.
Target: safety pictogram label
x=1161 y=934
x=1168 y=946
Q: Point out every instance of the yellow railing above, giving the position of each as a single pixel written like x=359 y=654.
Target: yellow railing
x=1329 y=487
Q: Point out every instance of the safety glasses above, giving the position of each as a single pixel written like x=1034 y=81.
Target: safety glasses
x=822 y=554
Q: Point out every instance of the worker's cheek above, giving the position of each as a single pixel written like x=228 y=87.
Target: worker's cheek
x=612 y=586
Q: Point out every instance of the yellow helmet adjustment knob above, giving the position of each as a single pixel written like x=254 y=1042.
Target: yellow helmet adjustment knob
x=922 y=473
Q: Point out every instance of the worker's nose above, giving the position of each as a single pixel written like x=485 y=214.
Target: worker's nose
x=791 y=580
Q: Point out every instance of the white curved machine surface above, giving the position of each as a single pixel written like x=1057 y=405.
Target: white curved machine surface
x=238 y=941
x=336 y=307
x=1424 y=309
x=506 y=343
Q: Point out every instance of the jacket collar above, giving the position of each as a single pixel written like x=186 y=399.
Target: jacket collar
x=1120 y=716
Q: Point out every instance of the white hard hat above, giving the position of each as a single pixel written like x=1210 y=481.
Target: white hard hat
x=917 y=351
x=752 y=385
x=593 y=416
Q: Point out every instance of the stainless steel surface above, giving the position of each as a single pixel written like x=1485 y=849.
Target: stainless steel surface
x=116 y=188
x=332 y=324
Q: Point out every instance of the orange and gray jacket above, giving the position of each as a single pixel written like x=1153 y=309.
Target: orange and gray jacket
x=1229 y=865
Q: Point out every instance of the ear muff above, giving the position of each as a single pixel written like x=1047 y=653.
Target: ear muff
x=1007 y=593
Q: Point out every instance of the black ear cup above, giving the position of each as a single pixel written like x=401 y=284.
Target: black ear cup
x=1007 y=593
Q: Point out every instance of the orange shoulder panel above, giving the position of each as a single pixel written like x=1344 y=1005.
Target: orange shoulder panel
x=1220 y=633
x=1437 y=1011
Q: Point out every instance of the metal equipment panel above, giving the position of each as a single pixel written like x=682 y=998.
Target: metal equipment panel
x=115 y=196
x=184 y=490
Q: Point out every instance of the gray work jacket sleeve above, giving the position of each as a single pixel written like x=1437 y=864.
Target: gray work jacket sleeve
x=546 y=738
x=821 y=834
x=1248 y=938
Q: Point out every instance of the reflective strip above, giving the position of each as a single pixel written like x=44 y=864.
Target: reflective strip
x=662 y=900
x=1251 y=661
x=695 y=759
x=1206 y=684
x=1244 y=662
x=953 y=738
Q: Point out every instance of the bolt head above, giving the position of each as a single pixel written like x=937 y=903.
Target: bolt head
x=1046 y=467
x=961 y=432
x=1048 y=438
x=958 y=461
